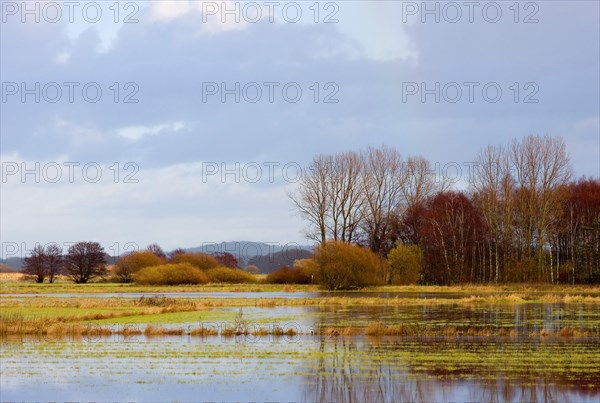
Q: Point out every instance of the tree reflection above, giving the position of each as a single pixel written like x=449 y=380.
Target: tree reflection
x=357 y=370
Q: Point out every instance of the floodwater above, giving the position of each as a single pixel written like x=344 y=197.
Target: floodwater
x=308 y=367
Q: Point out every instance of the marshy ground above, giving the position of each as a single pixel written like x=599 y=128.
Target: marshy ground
x=268 y=342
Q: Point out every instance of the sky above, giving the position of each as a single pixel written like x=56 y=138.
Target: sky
x=186 y=123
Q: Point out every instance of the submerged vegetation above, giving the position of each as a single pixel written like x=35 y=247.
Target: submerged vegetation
x=26 y=315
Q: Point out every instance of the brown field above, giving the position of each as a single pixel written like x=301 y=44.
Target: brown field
x=11 y=276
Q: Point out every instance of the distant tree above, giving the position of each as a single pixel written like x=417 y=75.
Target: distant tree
x=176 y=252
x=54 y=261
x=130 y=264
x=405 y=264
x=197 y=259
x=35 y=263
x=226 y=259
x=252 y=269
x=312 y=198
x=157 y=250
x=84 y=261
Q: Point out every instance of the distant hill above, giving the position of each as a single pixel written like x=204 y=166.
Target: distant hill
x=6 y=269
x=266 y=256
x=268 y=263
x=15 y=263
x=248 y=252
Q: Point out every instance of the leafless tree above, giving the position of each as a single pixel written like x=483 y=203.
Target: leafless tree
x=345 y=196
x=84 y=261
x=381 y=186
x=35 y=263
x=542 y=168
x=312 y=197
x=157 y=250
x=419 y=181
x=493 y=187
x=54 y=261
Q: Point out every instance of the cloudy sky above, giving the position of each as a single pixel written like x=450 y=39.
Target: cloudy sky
x=185 y=123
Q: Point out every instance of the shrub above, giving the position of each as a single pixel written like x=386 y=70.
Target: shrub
x=343 y=266
x=308 y=267
x=199 y=260
x=130 y=264
x=171 y=274
x=405 y=264
x=229 y=275
x=252 y=269
x=287 y=275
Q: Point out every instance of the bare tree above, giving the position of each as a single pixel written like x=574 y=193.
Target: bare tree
x=493 y=188
x=381 y=187
x=312 y=197
x=35 y=263
x=542 y=168
x=84 y=261
x=419 y=181
x=175 y=252
x=54 y=261
x=345 y=196
x=157 y=250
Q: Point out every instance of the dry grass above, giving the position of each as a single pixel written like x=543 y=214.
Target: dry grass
x=204 y=331
x=289 y=288
x=162 y=331
x=380 y=329
x=11 y=276
x=14 y=324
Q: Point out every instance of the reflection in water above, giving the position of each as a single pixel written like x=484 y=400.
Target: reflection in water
x=354 y=371
x=312 y=368
x=521 y=319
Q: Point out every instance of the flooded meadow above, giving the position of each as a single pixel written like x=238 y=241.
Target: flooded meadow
x=457 y=350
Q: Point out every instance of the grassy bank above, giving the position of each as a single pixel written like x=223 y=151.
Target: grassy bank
x=12 y=284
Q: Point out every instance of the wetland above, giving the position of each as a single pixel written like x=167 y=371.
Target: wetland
x=385 y=344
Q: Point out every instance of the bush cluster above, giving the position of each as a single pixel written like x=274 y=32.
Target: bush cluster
x=288 y=275
x=132 y=263
x=171 y=274
x=343 y=266
x=200 y=260
x=229 y=275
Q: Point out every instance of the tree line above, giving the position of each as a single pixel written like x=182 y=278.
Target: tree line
x=85 y=261
x=82 y=262
x=523 y=218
